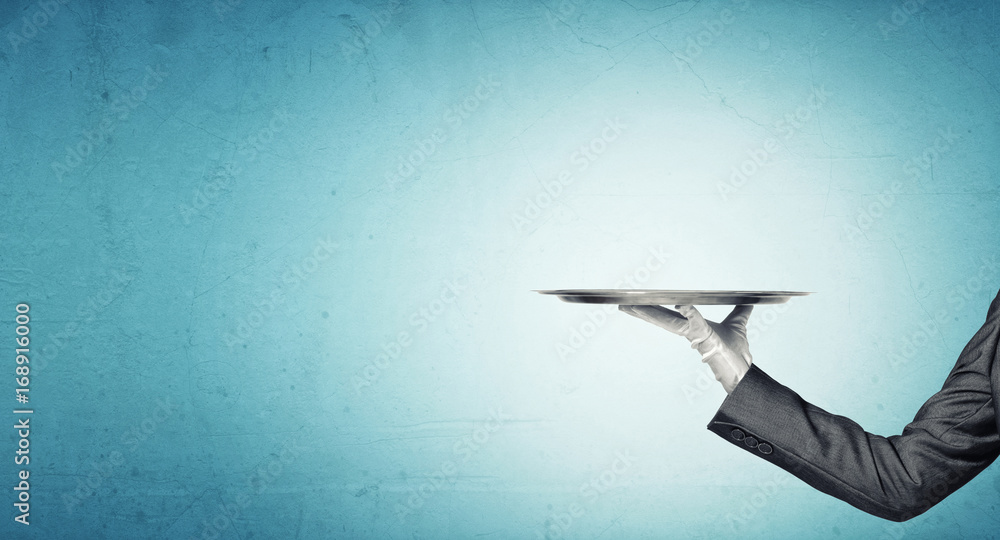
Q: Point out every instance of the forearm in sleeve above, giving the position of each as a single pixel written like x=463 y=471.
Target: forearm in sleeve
x=953 y=437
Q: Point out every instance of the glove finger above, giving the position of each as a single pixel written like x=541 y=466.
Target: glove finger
x=660 y=316
x=693 y=315
x=739 y=316
x=699 y=329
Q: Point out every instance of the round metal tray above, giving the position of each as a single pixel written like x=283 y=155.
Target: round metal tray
x=658 y=297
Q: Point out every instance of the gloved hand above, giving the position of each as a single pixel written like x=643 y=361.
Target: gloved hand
x=723 y=346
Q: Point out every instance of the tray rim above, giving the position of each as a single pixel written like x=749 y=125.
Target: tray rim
x=580 y=292
x=670 y=296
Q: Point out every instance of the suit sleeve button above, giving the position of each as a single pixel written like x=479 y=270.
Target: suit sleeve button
x=751 y=442
x=738 y=434
x=764 y=448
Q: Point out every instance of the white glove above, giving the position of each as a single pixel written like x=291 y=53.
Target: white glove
x=723 y=346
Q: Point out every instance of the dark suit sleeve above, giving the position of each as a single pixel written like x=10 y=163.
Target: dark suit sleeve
x=953 y=437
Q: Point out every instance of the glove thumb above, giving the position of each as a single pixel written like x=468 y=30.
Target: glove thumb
x=738 y=317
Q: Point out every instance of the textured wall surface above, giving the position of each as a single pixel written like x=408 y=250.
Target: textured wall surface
x=279 y=257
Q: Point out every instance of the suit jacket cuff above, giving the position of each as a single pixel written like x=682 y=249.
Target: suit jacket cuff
x=754 y=414
x=769 y=420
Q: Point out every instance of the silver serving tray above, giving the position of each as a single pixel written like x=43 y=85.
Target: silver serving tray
x=658 y=297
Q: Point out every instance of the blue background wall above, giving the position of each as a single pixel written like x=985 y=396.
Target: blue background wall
x=279 y=257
